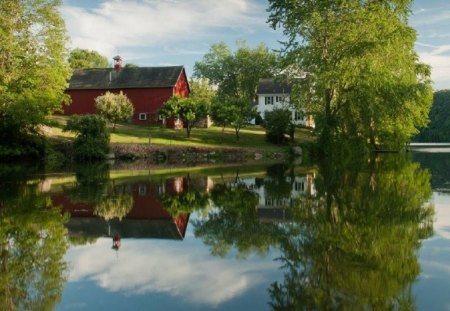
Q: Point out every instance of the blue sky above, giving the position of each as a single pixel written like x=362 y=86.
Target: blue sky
x=180 y=32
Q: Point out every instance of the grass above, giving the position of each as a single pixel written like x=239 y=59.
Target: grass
x=250 y=137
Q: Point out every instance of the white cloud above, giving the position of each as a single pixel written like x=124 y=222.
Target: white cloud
x=118 y=23
x=153 y=266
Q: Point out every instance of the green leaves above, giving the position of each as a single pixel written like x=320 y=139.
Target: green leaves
x=189 y=110
x=114 y=107
x=361 y=67
x=82 y=58
x=33 y=68
x=92 y=137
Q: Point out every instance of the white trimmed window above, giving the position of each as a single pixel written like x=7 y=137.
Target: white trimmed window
x=142 y=116
x=298 y=116
x=268 y=100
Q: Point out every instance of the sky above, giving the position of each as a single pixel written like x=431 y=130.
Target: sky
x=180 y=32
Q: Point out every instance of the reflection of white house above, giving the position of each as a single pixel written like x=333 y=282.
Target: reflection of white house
x=273 y=95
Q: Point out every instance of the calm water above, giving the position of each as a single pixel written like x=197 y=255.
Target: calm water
x=341 y=234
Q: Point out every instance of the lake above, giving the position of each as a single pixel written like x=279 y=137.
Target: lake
x=342 y=233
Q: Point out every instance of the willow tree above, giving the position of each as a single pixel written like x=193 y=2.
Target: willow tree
x=361 y=76
x=33 y=71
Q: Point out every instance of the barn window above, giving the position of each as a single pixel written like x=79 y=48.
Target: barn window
x=142 y=116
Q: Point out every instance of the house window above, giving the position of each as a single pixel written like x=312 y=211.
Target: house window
x=299 y=186
x=160 y=117
x=268 y=100
x=298 y=116
x=142 y=116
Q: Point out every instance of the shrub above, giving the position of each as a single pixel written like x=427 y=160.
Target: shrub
x=277 y=124
x=92 y=137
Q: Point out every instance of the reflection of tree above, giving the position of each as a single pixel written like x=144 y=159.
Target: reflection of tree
x=115 y=205
x=353 y=246
x=32 y=245
x=235 y=223
x=185 y=202
x=277 y=184
x=92 y=182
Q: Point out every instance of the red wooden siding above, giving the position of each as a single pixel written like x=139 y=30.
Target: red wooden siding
x=145 y=100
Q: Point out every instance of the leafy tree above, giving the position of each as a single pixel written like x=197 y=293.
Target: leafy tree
x=92 y=137
x=33 y=72
x=114 y=107
x=439 y=128
x=361 y=70
x=237 y=74
x=189 y=110
x=221 y=114
x=131 y=65
x=236 y=112
x=82 y=58
x=278 y=123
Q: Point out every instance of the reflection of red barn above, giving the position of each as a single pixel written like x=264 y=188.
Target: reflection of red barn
x=147 y=88
x=146 y=219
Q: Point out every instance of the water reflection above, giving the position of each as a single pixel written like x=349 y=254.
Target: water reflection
x=32 y=245
x=346 y=233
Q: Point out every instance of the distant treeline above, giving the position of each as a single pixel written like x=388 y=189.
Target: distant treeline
x=438 y=129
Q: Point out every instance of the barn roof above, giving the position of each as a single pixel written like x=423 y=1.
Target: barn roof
x=270 y=86
x=133 y=77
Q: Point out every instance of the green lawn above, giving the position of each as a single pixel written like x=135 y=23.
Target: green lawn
x=250 y=137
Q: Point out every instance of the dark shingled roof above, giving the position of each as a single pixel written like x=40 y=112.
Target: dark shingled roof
x=138 y=77
x=269 y=86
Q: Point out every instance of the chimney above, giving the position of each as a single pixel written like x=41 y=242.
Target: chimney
x=117 y=62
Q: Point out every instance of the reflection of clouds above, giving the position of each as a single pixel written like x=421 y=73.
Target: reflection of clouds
x=442 y=219
x=181 y=270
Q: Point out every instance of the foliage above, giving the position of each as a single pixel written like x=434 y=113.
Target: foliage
x=191 y=199
x=131 y=65
x=189 y=110
x=278 y=123
x=439 y=128
x=82 y=58
x=91 y=184
x=361 y=71
x=236 y=112
x=92 y=137
x=235 y=223
x=114 y=107
x=236 y=74
x=115 y=205
x=33 y=72
x=32 y=247
x=355 y=241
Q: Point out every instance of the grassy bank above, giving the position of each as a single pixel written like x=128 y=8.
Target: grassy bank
x=250 y=137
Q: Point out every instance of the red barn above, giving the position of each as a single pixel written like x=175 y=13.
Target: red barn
x=147 y=88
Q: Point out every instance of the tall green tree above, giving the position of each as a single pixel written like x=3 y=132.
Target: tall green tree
x=114 y=107
x=236 y=74
x=82 y=58
x=360 y=68
x=33 y=72
x=439 y=128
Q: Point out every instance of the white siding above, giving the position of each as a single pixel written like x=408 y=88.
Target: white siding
x=268 y=102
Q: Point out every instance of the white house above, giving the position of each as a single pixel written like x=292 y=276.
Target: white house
x=273 y=95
